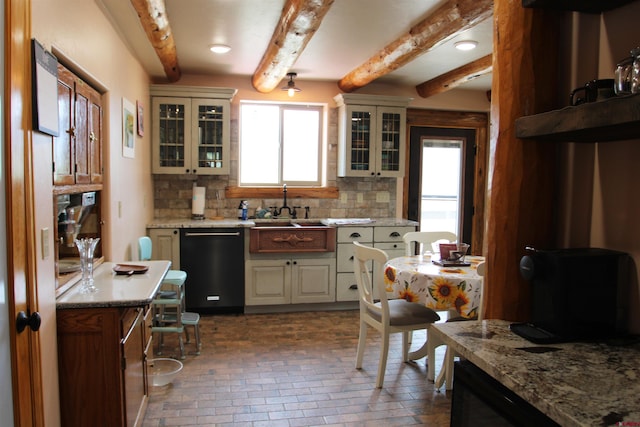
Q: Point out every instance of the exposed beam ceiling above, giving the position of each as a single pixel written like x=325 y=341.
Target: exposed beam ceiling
x=450 y=19
x=455 y=77
x=298 y=23
x=155 y=22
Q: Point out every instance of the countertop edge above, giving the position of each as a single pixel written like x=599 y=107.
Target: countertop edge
x=117 y=291
x=237 y=223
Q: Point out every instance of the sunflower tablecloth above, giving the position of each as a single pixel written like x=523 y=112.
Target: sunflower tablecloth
x=417 y=279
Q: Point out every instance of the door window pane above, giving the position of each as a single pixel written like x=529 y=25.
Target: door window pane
x=441 y=185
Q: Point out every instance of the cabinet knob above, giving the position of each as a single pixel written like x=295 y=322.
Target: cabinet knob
x=33 y=321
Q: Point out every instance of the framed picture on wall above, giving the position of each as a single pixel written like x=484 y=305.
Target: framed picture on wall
x=128 y=126
x=140 y=111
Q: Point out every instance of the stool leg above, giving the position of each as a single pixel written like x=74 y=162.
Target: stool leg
x=186 y=333
x=196 y=332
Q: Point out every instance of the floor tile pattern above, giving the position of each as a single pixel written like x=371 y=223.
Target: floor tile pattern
x=294 y=369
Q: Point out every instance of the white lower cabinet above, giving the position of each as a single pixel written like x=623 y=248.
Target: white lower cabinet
x=346 y=288
x=295 y=280
x=166 y=245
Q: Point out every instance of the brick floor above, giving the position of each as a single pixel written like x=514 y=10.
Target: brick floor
x=294 y=369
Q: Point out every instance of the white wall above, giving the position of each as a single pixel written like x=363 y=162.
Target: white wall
x=83 y=39
x=600 y=206
x=79 y=32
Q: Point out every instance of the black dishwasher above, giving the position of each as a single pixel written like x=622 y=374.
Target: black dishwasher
x=213 y=259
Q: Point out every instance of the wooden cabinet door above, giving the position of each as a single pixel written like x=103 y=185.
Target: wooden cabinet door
x=95 y=137
x=135 y=387
x=268 y=282
x=313 y=280
x=166 y=245
x=83 y=112
x=77 y=151
x=64 y=144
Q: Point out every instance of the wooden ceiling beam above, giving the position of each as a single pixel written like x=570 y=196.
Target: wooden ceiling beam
x=298 y=23
x=449 y=20
x=456 y=77
x=155 y=22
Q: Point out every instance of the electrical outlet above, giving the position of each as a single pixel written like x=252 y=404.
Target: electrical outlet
x=360 y=198
x=343 y=197
x=382 y=197
x=119 y=209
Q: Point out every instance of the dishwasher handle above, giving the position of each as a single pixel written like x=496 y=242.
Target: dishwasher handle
x=188 y=234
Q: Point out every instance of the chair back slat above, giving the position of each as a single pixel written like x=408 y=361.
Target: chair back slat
x=424 y=240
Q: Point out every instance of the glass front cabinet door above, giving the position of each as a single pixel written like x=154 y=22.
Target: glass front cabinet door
x=190 y=135
x=371 y=137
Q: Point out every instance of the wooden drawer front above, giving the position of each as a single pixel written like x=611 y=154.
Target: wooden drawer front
x=345 y=258
x=390 y=234
x=393 y=249
x=346 y=287
x=355 y=234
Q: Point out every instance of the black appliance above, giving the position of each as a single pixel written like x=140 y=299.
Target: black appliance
x=214 y=261
x=577 y=294
x=479 y=400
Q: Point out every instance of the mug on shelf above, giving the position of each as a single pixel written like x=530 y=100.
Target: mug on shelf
x=595 y=90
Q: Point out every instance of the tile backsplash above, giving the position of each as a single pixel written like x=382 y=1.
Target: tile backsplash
x=358 y=198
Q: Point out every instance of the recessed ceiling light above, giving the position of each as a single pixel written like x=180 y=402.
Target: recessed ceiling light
x=219 y=48
x=466 y=44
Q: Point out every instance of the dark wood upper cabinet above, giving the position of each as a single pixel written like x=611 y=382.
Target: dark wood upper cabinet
x=77 y=151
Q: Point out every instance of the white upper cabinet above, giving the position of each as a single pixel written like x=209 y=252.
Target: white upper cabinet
x=371 y=139
x=190 y=130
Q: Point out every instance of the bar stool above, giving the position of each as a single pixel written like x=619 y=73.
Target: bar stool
x=169 y=314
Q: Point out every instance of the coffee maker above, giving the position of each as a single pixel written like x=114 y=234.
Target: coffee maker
x=576 y=294
x=73 y=210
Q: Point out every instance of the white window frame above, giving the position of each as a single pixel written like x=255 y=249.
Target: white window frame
x=322 y=158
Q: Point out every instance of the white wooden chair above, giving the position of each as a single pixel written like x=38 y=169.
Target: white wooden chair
x=387 y=316
x=446 y=373
x=424 y=240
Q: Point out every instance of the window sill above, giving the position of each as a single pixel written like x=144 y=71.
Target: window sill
x=276 y=192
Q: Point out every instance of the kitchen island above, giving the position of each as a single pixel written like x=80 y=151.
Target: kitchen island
x=574 y=384
x=103 y=344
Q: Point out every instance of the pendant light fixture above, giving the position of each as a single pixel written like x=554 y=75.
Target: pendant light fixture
x=291 y=85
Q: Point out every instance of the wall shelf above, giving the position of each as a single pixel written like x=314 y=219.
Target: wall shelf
x=613 y=119
x=588 y=6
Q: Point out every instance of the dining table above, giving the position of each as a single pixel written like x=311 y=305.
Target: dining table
x=452 y=287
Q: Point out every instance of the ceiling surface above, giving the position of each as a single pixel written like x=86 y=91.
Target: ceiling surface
x=351 y=32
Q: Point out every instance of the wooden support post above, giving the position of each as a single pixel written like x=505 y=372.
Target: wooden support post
x=521 y=189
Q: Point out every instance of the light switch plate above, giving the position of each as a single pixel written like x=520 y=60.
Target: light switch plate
x=382 y=197
x=44 y=242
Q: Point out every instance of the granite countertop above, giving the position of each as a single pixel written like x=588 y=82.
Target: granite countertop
x=580 y=384
x=117 y=290
x=231 y=222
